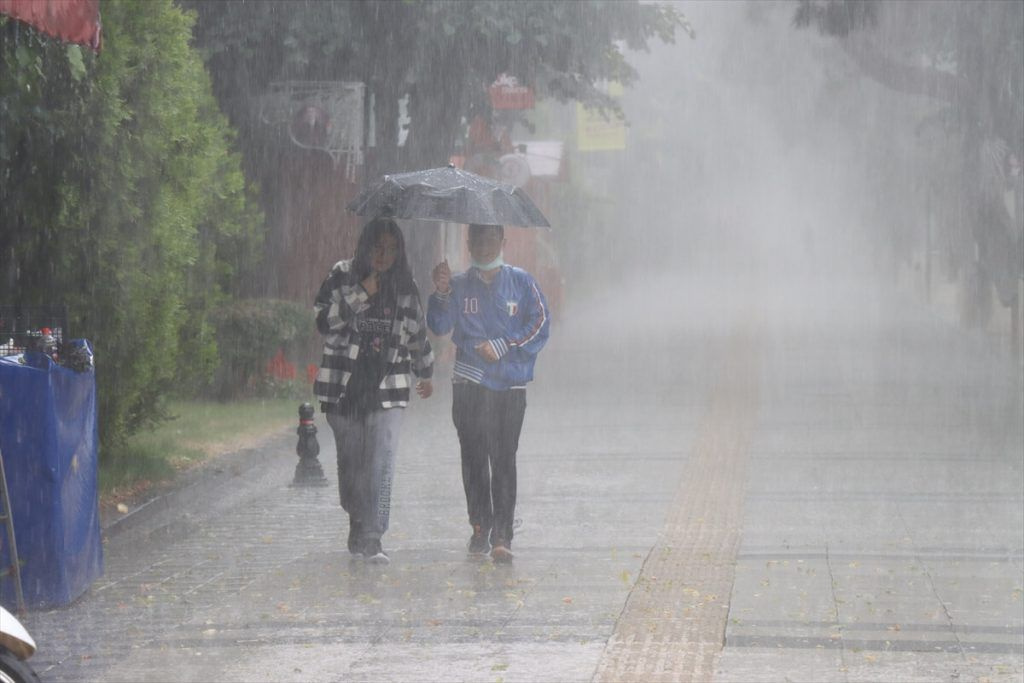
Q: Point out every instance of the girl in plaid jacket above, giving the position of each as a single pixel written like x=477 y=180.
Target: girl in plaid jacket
x=369 y=313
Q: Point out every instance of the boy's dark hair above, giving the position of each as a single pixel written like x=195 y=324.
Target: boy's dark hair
x=399 y=277
x=481 y=227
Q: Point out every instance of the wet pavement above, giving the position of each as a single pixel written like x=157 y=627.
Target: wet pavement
x=743 y=490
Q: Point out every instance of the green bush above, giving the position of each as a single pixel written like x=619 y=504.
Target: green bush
x=249 y=334
x=121 y=197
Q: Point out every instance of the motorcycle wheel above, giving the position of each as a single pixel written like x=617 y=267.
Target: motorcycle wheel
x=13 y=670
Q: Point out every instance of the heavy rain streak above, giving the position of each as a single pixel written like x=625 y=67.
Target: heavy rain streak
x=736 y=392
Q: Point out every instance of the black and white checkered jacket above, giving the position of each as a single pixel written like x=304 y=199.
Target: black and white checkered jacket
x=339 y=303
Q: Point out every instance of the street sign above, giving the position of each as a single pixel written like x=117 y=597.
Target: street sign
x=324 y=115
x=507 y=93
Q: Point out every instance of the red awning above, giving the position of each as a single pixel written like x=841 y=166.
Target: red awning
x=76 y=21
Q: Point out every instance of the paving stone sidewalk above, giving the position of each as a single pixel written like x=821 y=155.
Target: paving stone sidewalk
x=254 y=583
x=872 y=514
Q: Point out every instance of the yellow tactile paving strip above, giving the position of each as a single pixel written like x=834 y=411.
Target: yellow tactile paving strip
x=673 y=623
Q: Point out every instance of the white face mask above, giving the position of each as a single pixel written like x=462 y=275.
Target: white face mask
x=497 y=262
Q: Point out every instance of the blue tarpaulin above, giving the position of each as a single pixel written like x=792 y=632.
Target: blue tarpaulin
x=48 y=438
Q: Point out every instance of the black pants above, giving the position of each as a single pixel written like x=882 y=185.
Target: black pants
x=488 y=423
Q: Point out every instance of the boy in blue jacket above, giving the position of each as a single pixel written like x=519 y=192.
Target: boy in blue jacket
x=499 y=321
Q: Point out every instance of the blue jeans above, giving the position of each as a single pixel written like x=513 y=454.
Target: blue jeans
x=366 y=465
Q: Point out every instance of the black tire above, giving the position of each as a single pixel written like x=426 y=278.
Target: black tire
x=13 y=670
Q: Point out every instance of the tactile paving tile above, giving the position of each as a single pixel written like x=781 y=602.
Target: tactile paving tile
x=672 y=627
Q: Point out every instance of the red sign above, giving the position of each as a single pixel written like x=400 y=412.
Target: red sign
x=507 y=93
x=76 y=21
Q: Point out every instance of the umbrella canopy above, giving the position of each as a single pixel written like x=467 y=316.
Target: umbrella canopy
x=448 y=194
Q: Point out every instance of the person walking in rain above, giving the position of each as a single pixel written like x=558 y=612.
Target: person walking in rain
x=499 y=322
x=370 y=315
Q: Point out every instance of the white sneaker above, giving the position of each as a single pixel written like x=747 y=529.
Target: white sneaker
x=374 y=552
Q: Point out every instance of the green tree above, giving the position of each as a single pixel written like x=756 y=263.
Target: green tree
x=121 y=197
x=968 y=59
x=440 y=54
x=563 y=49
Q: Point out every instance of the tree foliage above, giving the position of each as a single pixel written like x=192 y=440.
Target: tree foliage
x=120 y=196
x=836 y=18
x=968 y=58
x=441 y=54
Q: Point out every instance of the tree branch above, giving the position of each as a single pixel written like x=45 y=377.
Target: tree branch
x=904 y=78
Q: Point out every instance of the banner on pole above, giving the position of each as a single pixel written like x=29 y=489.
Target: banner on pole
x=76 y=21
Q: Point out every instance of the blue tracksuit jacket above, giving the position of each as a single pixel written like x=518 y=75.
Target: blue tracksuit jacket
x=510 y=313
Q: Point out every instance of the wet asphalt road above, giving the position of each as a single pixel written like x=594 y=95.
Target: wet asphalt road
x=759 y=487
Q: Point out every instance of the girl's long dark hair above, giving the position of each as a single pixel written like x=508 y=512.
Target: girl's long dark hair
x=399 y=278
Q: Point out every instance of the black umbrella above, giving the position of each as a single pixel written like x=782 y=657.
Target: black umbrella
x=448 y=194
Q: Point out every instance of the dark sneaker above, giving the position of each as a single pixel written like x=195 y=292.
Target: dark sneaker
x=354 y=532
x=478 y=543
x=501 y=552
x=374 y=552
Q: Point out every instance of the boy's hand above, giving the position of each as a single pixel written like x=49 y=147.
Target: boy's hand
x=442 y=276
x=485 y=349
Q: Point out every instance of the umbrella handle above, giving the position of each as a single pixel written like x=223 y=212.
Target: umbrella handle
x=446 y=227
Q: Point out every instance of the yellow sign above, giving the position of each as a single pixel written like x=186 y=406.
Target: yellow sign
x=596 y=133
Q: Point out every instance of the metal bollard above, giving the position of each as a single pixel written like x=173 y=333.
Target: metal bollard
x=308 y=472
